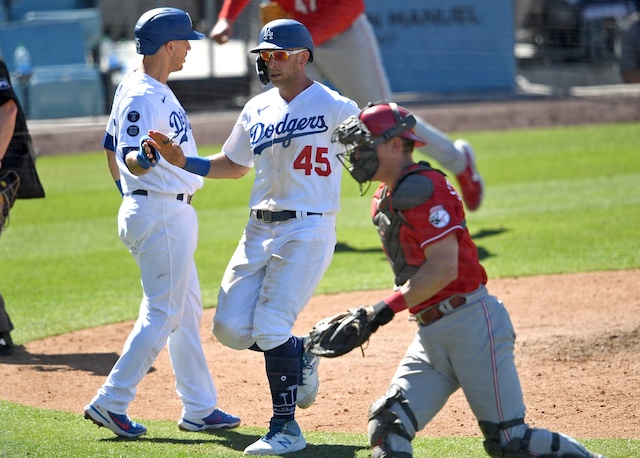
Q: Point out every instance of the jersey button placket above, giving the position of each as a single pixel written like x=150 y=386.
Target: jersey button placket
x=277 y=184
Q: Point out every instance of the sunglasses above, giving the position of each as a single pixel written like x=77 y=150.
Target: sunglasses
x=278 y=55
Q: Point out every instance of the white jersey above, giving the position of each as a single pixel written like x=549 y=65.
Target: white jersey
x=289 y=144
x=142 y=103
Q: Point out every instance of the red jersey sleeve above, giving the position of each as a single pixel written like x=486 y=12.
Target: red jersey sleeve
x=231 y=9
x=438 y=217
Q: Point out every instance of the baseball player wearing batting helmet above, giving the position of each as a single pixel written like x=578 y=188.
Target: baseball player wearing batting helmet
x=347 y=54
x=160 y=228
x=285 y=135
x=465 y=338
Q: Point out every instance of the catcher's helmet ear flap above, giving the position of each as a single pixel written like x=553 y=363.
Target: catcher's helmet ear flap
x=159 y=25
x=285 y=34
x=388 y=120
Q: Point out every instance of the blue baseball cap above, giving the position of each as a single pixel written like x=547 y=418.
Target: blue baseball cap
x=160 y=25
x=284 y=34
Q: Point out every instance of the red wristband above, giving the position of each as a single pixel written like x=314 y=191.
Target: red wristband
x=396 y=302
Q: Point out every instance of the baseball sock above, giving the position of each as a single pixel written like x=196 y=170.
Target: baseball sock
x=283 y=371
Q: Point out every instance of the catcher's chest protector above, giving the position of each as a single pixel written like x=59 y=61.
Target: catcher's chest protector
x=411 y=190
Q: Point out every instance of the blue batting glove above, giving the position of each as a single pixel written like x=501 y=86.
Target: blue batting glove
x=142 y=158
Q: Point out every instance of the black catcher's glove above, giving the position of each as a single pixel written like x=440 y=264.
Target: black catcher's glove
x=339 y=334
x=9 y=183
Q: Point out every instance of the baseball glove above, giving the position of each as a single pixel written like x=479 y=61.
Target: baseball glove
x=339 y=334
x=9 y=184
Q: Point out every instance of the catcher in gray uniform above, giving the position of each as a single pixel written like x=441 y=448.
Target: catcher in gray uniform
x=465 y=338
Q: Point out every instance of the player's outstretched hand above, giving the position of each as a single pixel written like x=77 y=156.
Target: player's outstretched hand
x=222 y=31
x=167 y=148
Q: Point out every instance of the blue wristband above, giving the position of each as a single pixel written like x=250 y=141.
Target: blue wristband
x=119 y=185
x=198 y=165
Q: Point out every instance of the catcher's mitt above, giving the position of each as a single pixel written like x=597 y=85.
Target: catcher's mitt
x=9 y=184
x=338 y=335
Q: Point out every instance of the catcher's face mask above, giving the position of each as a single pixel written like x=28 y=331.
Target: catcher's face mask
x=360 y=157
x=376 y=124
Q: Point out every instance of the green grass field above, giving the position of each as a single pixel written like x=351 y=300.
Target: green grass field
x=557 y=200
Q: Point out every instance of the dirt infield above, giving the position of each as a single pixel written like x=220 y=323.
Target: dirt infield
x=576 y=351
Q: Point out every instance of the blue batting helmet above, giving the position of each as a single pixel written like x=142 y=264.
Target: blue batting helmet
x=285 y=34
x=159 y=25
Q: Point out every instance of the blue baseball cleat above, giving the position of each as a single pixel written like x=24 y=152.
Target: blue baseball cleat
x=218 y=419
x=121 y=425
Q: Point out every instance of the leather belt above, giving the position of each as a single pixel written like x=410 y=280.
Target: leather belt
x=144 y=192
x=436 y=311
x=268 y=216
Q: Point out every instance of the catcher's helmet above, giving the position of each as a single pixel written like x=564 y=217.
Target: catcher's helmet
x=285 y=34
x=362 y=134
x=388 y=120
x=159 y=25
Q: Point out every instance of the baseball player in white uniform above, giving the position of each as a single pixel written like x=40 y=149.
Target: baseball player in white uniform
x=347 y=54
x=289 y=240
x=160 y=228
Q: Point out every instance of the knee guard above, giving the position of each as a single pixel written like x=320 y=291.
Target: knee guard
x=515 y=448
x=392 y=425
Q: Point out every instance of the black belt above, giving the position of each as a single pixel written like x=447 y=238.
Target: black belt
x=284 y=215
x=437 y=311
x=143 y=192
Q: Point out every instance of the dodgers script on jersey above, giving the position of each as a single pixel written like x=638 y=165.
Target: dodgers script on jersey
x=142 y=103
x=296 y=164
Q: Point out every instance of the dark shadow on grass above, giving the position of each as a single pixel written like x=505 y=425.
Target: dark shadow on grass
x=345 y=247
x=234 y=440
x=332 y=450
x=483 y=233
x=95 y=363
x=483 y=253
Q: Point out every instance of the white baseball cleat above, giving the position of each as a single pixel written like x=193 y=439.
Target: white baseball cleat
x=308 y=388
x=283 y=437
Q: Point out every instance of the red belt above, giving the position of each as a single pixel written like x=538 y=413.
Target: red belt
x=436 y=311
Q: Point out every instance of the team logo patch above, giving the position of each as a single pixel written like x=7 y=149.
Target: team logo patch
x=134 y=116
x=439 y=217
x=4 y=84
x=268 y=35
x=133 y=131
